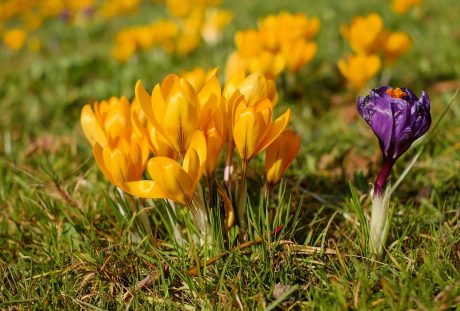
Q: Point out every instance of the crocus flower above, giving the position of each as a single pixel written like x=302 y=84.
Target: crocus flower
x=15 y=38
x=254 y=87
x=395 y=45
x=173 y=110
x=123 y=162
x=107 y=121
x=298 y=53
x=364 y=33
x=402 y=6
x=280 y=155
x=254 y=130
x=398 y=118
x=359 y=69
x=215 y=22
x=171 y=180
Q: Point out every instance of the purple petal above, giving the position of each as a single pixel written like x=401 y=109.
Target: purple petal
x=382 y=123
x=410 y=97
x=381 y=91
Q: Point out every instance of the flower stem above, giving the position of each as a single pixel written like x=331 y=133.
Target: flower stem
x=380 y=209
x=198 y=209
x=209 y=182
x=379 y=221
x=381 y=181
x=228 y=167
x=242 y=196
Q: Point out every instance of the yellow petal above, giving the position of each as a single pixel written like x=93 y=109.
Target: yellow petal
x=195 y=157
x=144 y=189
x=233 y=83
x=171 y=178
x=210 y=92
x=254 y=88
x=275 y=130
x=144 y=100
x=118 y=167
x=91 y=127
x=215 y=143
x=246 y=133
x=280 y=155
x=98 y=156
x=117 y=122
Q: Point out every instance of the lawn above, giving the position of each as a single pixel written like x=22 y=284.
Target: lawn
x=69 y=239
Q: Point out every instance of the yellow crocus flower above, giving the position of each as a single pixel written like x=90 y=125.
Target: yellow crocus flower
x=359 y=69
x=280 y=155
x=235 y=63
x=215 y=22
x=395 y=45
x=143 y=128
x=197 y=77
x=107 y=121
x=14 y=38
x=249 y=43
x=271 y=64
x=173 y=109
x=298 y=53
x=364 y=33
x=171 y=180
x=403 y=6
x=253 y=128
x=277 y=30
x=254 y=87
x=122 y=163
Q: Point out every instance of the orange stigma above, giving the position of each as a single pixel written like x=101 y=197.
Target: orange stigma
x=396 y=93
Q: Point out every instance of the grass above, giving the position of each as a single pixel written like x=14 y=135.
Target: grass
x=69 y=240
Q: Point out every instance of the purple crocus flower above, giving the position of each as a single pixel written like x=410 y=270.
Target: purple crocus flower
x=398 y=118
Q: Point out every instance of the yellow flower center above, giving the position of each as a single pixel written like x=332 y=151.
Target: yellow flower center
x=396 y=93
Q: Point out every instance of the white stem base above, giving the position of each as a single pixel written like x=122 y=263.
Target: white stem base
x=379 y=221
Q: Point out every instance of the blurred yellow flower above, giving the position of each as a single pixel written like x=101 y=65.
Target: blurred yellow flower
x=280 y=154
x=50 y=8
x=15 y=38
x=403 y=6
x=249 y=43
x=277 y=30
x=280 y=41
x=79 y=5
x=197 y=77
x=161 y=33
x=359 y=69
x=114 y=8
x=254 y=87
x=395 y=45
x=364 y=33
x=271 y=64
x=215 y=22
x=32 y=20
x=298 y=53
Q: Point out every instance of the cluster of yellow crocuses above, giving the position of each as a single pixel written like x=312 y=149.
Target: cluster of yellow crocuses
x=189 y=22
x=29 y=15
x=281 y=41
x=178 y=132
x=370 y=42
